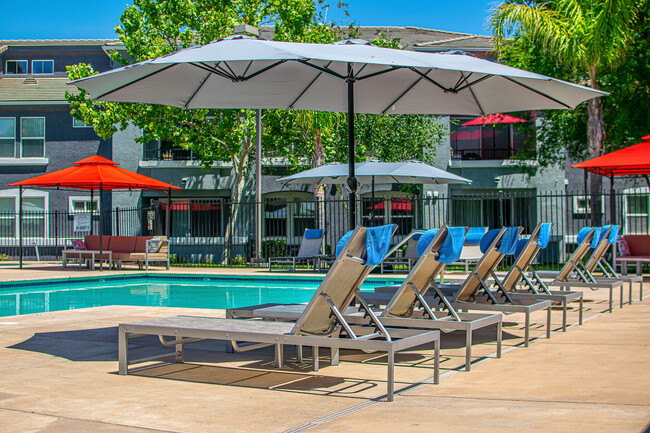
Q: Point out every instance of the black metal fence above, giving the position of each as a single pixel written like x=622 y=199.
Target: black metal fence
x=221 y=232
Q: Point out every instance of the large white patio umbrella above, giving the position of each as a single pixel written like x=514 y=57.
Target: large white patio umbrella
x=350 y=76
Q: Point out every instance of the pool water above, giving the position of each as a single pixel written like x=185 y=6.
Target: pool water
x=198 y=292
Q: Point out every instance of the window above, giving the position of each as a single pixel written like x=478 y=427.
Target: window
x=32 y=137
x=42 y=67
x=7 y=137
x=16 y=67
x=275 y=217
x=79 y=204
x=7 y=217
x=79 y=124
x=35 y=205
x=303 y=217
x=637 y=205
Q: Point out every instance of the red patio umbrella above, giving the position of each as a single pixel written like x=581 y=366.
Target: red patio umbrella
x=92 y=173
x=629 y=161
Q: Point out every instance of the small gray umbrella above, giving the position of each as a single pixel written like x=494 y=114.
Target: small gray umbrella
x=350 y=76
x=372 y=172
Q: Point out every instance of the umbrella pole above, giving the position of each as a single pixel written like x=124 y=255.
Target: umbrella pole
x=373 y=202
x=92 y=206
x=101 y=227
x=352 y=181
x=20 y=224
x=258 y=184
x=612 y=201
x=168 y=213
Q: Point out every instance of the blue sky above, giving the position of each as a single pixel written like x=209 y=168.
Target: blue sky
x=47 y=19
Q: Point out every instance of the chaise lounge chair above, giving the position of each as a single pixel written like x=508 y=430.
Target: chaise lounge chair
x=309 y=252
x=474 y=293
x=525 y=252
x=597 y=260
x=320 y=325
x=440 y=248
x=571 y=275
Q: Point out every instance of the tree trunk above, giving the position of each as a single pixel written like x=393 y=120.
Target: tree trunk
x=595 y=139
x=240 y=169
x=317 y=160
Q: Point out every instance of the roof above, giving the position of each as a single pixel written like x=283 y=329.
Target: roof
x=56 y=42
x=415 y=38
x=47 y=90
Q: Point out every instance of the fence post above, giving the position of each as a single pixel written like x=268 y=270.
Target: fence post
x=117 y=221
x=56 y=233
x=232 y=233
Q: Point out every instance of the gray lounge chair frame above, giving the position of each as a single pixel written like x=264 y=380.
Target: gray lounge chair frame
x=309 y=253
x=464 y=296
x=597 y=261
x=401 y=310
x=574 y=275
x=321 y=324
x=410 y=256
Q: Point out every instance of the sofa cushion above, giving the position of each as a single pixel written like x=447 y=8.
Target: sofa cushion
x=78 y=244
x=92 y=242
x=153 y=246
x=123 y=244
x=623 y=247
x=141 y=243
x=639 y=244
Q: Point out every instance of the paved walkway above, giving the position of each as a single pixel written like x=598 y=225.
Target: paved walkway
x=58 y=374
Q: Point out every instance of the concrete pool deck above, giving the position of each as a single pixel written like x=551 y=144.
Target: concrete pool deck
x=58 y=374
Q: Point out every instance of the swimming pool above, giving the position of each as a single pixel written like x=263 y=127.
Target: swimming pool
x=163 y=291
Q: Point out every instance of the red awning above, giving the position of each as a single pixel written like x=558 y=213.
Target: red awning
x=93 y=172
x=395 y=205
x=194 y=206
x=494 y=119
x=630 y=161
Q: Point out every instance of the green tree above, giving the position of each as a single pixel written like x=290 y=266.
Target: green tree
x=151 y=28
x=587 y=38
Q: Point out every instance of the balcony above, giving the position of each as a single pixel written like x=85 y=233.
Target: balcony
x=167 y=154
x=500 y=142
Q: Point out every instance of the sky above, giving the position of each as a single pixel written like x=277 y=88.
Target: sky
x=92 y=19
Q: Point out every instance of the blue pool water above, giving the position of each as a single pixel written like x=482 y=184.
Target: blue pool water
x=188 y=292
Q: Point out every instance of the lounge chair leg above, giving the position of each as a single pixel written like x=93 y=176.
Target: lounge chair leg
x=279 y=349
x=468 y=350
x=564 y=311
x=123 y=349
x=436 y=362
x=299 y=354
x=314 y=352
x=580 y=312
x=622 y=291
x=548 y=320
x=390 y=384
x=334 y=356
x=229 y=348
x=611 y=295
x=180 y=350
x=630 y=293
x=527 y=329
x=499 y=338
x=641 y=291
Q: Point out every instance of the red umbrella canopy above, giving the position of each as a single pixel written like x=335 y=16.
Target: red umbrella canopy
x=494 y=119
x=89 y=173
x=632 y=160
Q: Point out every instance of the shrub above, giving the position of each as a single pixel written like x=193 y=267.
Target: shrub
x=276 y=248
x=5 y=257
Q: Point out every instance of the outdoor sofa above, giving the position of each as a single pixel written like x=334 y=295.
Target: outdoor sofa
x=119 y=249
x=636 y=252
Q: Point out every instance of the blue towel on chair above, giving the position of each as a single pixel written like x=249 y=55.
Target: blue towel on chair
x=519 y=247
x=342 y=242
x=596 y=239
x=509 y=241
x=452 y=246
x=613 y=235
x=544 y=235
x=474 y=235
x=425 y=240
x=378 y=243
x=488 y=238
x=313 y=233
x=582 y=234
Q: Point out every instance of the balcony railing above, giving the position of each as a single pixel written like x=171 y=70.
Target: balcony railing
x=174 y=154
x=483 y=153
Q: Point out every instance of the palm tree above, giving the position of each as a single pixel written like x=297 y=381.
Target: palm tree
x=583 y=35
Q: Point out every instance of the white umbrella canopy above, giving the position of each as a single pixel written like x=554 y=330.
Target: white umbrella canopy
x=350 y=76
x=380 y=172
x=244 y=72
